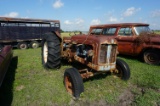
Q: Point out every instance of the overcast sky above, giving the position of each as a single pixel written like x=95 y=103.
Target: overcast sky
x=80 y=14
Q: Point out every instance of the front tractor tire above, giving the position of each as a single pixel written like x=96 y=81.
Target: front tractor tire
x=122 y=69
x=51 y=56
x=73 y=82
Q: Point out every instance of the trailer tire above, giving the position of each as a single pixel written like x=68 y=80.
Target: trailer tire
x=22 y=45
x=51 y=51
x=34 y=44
x=73 y=82
x=122 y=69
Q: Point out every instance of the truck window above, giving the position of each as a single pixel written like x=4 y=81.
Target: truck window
x=141 y=29
x=3 y=24
x=11 y=24
x=125 y=31
x=96 y=31
x=109 y=31
x=56 y=25
x=45 y=25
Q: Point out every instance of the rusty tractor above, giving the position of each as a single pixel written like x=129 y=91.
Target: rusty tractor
x=96 y=54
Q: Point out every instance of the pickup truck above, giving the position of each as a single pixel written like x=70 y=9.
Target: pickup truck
x=133 y=39
x=6 y=54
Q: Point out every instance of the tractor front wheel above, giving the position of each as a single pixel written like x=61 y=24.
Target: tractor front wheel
x=73 y=82
x=122 y=69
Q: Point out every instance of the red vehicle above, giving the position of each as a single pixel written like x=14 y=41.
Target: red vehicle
x=133 y=39
x=6 y=54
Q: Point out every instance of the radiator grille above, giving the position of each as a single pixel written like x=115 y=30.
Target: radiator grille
x=107 y=53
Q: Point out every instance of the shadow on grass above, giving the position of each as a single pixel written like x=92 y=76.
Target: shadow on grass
x=138 y=58
x=6 y=90
x=97 y=76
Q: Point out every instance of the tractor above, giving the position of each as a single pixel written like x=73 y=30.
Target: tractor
x=96 y=54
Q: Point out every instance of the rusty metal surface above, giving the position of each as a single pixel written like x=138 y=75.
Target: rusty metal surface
x=92 y=39
x=5 y=58
x=118 y=25
x=3 y=19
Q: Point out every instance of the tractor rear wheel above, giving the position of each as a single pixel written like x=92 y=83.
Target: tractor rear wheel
x=73 y=82
x=51 y=56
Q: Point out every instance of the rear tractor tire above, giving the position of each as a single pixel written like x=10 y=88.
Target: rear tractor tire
x=51 y=52
x=122 y=69
x=73 y=82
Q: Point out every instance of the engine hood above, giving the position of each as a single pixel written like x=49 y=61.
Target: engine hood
x=155 y=38
x=149 y=37
x=94 y=39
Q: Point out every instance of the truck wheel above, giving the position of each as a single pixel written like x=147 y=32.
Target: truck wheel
x=51 y=55
x=73 y=82
x=151 y=57
x=122 y=69
x=22 y=45
x=34 y=44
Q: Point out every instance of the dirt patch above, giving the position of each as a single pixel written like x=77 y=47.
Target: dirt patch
x=158 y=90
x=19 y=88
x=126 y=98
x=88 y=103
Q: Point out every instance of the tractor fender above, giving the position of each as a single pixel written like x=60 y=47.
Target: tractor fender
x=57 y=33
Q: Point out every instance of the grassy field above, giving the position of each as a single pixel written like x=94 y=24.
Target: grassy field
x=27 y=83
x=65 y=34
x=157 y=32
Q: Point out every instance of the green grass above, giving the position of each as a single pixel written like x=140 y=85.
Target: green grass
x=157 y=32
x=27 y=83
x=66 y=34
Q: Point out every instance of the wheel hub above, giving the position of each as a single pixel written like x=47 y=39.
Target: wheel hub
x=68 y=85
x=34 y=45
x=45 y=52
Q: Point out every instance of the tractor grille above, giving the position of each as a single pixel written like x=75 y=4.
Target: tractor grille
x=108 y=53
